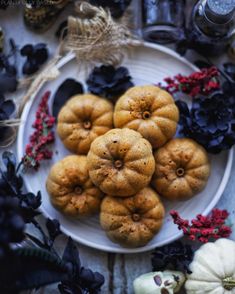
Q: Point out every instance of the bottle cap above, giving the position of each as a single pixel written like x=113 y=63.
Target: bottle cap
x=220 y=11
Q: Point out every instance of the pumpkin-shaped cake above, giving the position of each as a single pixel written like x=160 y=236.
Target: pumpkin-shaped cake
x=150 y=111
x=182 y=169
x=121 y=162
x=82 y=119
x=132 y=221
x=70 y=188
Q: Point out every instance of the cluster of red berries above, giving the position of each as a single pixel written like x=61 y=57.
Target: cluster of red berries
x=202 y=82
x=204 y=228
x=37 y=150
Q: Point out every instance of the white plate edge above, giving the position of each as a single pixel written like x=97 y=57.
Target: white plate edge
x=124 y=250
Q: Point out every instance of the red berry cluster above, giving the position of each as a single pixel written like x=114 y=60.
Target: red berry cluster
x=204 y=228
x=202 y=82
x=37 y=150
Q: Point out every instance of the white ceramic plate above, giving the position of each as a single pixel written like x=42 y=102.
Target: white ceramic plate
x=147 y=64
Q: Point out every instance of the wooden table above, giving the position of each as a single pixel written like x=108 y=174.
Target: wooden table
x=119 y=270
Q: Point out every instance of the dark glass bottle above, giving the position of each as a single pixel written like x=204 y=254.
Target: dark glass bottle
x=211 y=26
x=162 y=20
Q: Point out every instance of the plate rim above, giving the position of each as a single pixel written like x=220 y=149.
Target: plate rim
x=106 y=248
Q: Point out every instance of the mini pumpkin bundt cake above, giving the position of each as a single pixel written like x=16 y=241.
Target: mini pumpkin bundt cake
x=150 y=111
x=82 y=119
x=70 y=188
x=121 y=162
x=182 y=169
x=132 y=221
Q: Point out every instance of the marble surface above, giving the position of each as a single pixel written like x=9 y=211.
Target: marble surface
x=119 y=270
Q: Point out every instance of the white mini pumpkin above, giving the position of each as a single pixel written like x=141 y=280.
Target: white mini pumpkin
x=167 y=282
x=213 y=269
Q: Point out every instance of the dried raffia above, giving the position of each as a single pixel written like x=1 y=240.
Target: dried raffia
x=95 y=37
x=12 y=125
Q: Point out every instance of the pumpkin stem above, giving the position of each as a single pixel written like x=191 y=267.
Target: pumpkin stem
x=118 y=163
x=136 y=217
x=228 y=283
x=87 y=124
x=180 y=172
x=146 y=115
x=78 y=190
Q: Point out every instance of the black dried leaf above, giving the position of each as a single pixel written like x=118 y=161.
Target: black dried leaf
x=68 y=288
x=8 y=82
x=91 y=281
x=202 y=64
x=29 y=205
x=66 y=90
x=53 y=227
x=38 y=267
x=71 y=257
x=8 y=107
x=27 y=50
x=8 y=158
x=11 y=221
x=229 y=69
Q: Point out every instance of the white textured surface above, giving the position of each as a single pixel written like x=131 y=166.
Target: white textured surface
x=119 y=270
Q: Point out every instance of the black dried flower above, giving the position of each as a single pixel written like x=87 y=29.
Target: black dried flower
x=36 y=56
x=117 y=7
x=109 y=82
x=210 y=121
x=175 y=256
x=11 y=221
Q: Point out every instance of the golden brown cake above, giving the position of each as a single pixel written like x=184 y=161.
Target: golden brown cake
x=121 y=162
x=132 y=221
x=150 y=111
x=70 y=188
x=182 y=169
x=82 y=119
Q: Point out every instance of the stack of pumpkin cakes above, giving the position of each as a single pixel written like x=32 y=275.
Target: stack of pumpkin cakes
x=120 y=151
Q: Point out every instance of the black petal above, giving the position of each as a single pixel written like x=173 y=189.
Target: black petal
x=229 y=68
x=8 y=83
x=53 y=227
x=66 y=90
x=8 y=107
x=27 y=50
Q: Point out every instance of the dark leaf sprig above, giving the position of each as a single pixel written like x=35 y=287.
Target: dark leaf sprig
x=23 y=267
